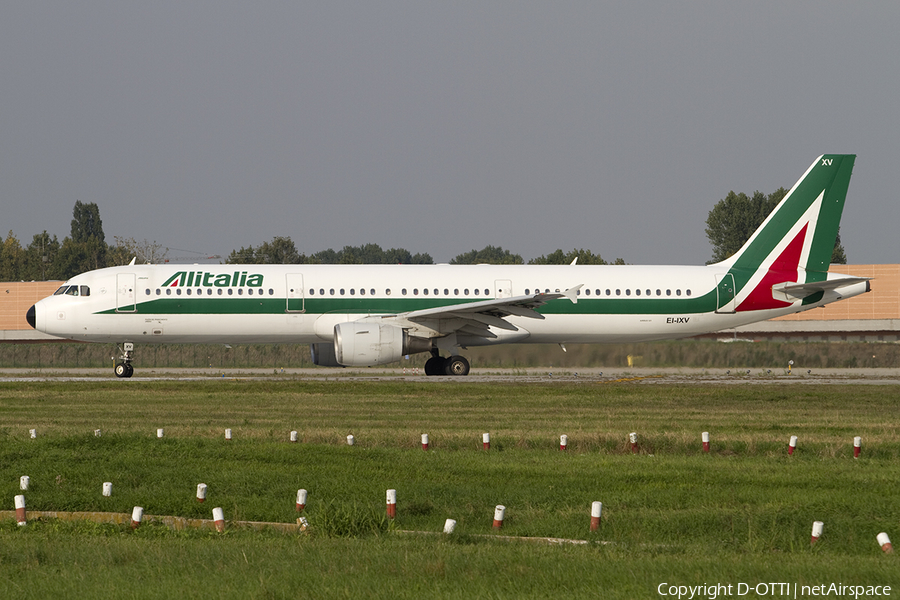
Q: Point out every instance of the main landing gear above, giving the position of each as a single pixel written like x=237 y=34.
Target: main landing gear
x=454 y=365
x=123 y=367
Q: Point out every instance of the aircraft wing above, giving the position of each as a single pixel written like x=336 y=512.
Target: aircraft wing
x=474 y=318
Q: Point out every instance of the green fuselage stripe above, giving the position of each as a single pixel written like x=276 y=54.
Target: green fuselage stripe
x=272 y=306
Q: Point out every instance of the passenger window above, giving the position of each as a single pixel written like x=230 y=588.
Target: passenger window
x=688 y=292
x=659 y=292
x=169 y=291
x=425 y=291
x=240 y=291
x=218 y=291
x=178 y=291
x=321 y=292
x=415 y=291
x=446 y=292
x=189 y=291
x=387 y=292
x=436 y=292
x=456 y=292
x=628 y=292
x=527 y=293
x=158 y=291
x=312 y=292
x=608 y=293
x=637 y=292
x=148 y=291
x=331 y=291
x=372 y=292
x=352 y=292
x=668 y=292
x=677 y=292
x=230 y=292
x=466 y=292
x=476 y=291
x=403 y=291
x=342 y=291
x=618 y=292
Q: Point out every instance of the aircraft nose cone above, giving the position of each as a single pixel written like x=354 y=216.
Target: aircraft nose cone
x=29 y=316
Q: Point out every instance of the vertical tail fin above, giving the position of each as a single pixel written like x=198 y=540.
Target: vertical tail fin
x=795 y=242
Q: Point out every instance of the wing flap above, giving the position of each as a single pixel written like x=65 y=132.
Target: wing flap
x=475 y=318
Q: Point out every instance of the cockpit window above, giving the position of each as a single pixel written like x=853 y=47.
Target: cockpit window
x=72 y=291
x=85 y=290
x=61 y=290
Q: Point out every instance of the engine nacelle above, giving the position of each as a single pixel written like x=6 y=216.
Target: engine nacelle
x=323 y=355
x=362 y=344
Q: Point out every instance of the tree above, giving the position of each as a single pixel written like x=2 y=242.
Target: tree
x=370 y=254
x=40 y=257
x=558 y=257
x=280 y=251
x=86 y=223
x=12 y=259
x=143 y=252
x=838 y=256
x=733 y=220
x=494 y=255
x=85 y=249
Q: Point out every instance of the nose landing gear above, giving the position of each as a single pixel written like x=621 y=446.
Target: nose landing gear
x=123 y=367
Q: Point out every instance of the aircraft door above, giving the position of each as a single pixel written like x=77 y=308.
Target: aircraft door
x=725 y=293
x=503 y=288
x=125 y=292
x=295 y=297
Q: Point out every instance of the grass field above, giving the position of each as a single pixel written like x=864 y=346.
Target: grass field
x=671 y=513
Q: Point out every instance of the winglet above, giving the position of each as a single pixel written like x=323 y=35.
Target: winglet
x=572 y=293
x=131 y=264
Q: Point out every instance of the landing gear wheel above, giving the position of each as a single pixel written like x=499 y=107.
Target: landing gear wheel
x=123 y=368
x=456 y=365
x=435 y=366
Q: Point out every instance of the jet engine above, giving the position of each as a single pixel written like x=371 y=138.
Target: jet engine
x=364 y=344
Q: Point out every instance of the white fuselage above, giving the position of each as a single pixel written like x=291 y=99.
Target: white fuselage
x=303 y=303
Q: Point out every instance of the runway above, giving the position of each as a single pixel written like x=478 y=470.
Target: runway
x=625 y=376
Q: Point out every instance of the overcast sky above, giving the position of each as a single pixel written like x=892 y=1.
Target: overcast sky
x=442 y=127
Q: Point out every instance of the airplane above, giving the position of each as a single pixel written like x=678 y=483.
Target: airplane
x=366 y=315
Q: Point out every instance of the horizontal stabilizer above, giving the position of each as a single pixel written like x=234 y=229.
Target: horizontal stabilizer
x=805 y=289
